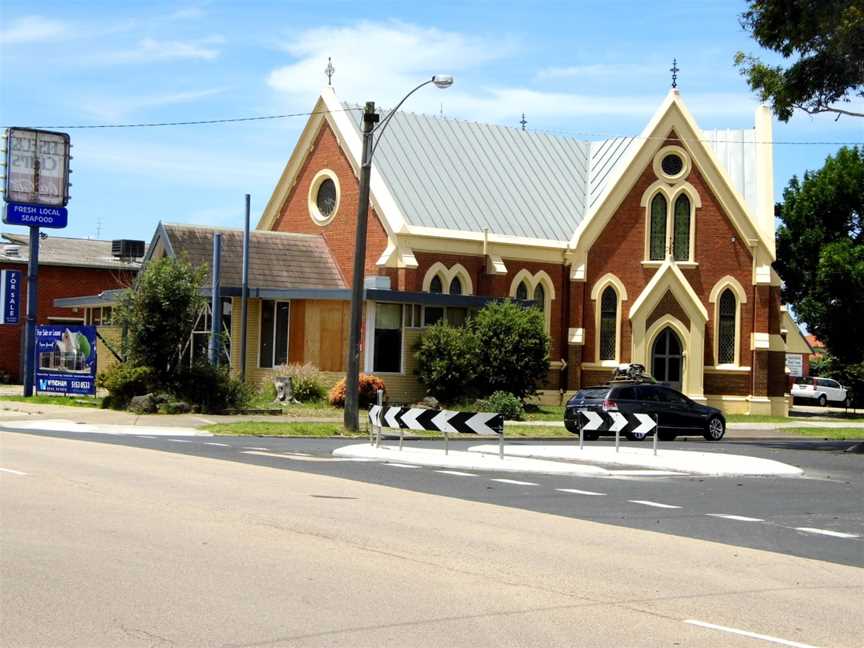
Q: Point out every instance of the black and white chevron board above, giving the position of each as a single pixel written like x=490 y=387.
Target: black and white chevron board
x=637 y=425
x=416 y=418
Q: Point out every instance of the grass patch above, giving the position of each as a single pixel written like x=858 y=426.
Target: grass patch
x=838 y=434
x=45 y=399
x=266 y=428
x=544 y=412
x=757 y=418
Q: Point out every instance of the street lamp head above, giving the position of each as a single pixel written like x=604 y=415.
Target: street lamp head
x=443 y=80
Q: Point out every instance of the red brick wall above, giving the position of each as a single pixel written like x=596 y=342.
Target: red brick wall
x=341 y=231
x=55 y=282
x=718 y=250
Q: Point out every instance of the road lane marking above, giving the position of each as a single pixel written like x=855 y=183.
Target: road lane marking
x=514 y=481
x=455 y=472
x=256 y=448
x=576 y=491
x=14 y=472
x=833 y=534
x=400 y=465
x=144 y=436
x=752 y=635
x=739 y=518
x=180 y=441
x=654 y=504
x=294 y=456
x=213 y=443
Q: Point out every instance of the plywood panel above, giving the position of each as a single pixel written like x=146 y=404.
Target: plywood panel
x=297 y=333
x=331 y=336
x=312 y=334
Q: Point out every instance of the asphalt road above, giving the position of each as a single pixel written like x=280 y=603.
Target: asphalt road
x=830 y=498
x=110 y=541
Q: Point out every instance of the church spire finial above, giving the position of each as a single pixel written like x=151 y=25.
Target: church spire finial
x=523 y=121
x=674 y=70
x=329 y=70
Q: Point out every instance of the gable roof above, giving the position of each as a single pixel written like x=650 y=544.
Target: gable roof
x=65 y=251
x=669 y=277
x=277 y=260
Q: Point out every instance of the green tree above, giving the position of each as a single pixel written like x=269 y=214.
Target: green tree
x=158 y=314
x=820 y=252
x=822 y=44
x=447 y=361
x=513 y=348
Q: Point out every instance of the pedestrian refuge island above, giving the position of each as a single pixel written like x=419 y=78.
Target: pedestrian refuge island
x=434 y=420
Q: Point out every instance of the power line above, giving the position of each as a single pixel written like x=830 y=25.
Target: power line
x=197 y=122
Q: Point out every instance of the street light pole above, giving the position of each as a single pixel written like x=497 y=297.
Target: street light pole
x=352 y=376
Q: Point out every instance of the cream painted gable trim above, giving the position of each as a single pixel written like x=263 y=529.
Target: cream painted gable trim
x=669 y=276
x=597 y=291
x=672 y=115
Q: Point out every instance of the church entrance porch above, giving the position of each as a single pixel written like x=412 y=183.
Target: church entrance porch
x=666 y=358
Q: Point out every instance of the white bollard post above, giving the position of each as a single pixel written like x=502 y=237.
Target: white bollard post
x=656 y=432
x=617 y=439
x=501 y=444
x=380 y=415
x=446 y=443
x=581 y=435
x=401 y=437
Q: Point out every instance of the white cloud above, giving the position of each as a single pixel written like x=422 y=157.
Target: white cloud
x=113 y=108
x=33 y=29
x=395 y=57
x=601 y=70
x=150 y=50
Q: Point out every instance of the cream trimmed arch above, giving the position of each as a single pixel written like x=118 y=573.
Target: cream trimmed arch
x=600 y=286
x=737 y=289
x=670 y=193
x=447 y=275
x=539 y=278
x=683 y=333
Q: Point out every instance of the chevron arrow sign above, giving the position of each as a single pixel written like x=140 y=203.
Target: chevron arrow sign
x=637 y=425
x=416 y=418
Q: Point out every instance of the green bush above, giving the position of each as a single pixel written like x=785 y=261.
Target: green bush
x=123 y=381
x=306 y=381
x=512 y=348
x=368 y=387
x=210 y=389
x=447 y=361
x=504 y=403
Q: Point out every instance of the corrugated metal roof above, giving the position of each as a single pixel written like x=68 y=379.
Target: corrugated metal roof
x=453 y=174
x=66 y=251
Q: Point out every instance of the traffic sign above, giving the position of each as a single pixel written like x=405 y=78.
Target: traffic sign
x=35 y=215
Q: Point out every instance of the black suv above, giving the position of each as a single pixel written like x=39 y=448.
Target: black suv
x=677 y=414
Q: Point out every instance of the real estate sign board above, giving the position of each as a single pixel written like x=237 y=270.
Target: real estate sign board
x=10 y=296
x=66 y=359
x=795 y=364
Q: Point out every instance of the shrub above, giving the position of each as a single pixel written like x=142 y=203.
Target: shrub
x=512 y=348
x=447 y=361
x=306 y=380
x=211 y=389
x=504 y=403
x=368 y=388
x=123 y=381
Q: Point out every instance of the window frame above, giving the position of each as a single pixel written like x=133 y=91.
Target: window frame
x=728 y=282
x=273 y=364
x=606 y=281
x=312 y=197
x=401 y=330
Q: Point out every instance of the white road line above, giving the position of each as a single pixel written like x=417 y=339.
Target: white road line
x=14 y=472
x=256 y=448
x=455 y=472
x=739 y=518
x=213 y=443
x=752 y=635
x=654 y=504
x=514 y=481
x=833 y=534
x=400 y=465
x=180 y=441
x=144 y=436
x=576 y=491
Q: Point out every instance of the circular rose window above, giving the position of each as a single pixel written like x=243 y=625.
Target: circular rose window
x=672 y=164
x=323 y=197
x=325 y=200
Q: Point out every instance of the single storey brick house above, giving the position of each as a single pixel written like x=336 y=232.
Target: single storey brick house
x=655 y=249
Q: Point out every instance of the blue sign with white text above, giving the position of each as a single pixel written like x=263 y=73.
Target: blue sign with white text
x=35 y=215
x=10 y=296
x=66 y=359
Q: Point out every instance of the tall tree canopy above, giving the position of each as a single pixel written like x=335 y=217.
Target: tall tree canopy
x=822 y=42
x=820 y=252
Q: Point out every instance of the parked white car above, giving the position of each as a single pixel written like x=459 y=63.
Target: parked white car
x=822 y=390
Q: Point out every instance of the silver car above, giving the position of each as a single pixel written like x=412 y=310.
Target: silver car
x=821 y=390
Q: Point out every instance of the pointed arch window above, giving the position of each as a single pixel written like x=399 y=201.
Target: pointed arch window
x=727 y=309
x=522 y=290
x=540 y=297
x=608 y=324
x=456 y=286
x=657 y=240
x=681 y=229
x=435 y=286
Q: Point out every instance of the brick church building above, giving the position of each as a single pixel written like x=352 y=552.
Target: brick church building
x=655 y=249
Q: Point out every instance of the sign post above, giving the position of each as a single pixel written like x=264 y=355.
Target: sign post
x=36 y=191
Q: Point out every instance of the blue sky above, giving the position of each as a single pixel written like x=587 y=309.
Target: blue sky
x=573 y=67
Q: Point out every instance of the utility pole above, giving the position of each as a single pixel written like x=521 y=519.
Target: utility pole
x=352 y=376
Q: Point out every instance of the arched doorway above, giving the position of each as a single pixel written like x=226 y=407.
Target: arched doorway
x=666 y=358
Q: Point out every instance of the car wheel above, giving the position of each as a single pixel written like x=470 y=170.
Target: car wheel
x=633 y=437
x=590 y=436
x=823 y=400
x=715 y=429
x=666 y=436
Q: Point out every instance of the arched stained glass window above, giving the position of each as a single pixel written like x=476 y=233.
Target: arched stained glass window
x=681 y=243
x=608 y=323
x=522 y=290
x=435 y=285
x=657 y=240
x=456 y=286
x=540 y=297
x=726 y=328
